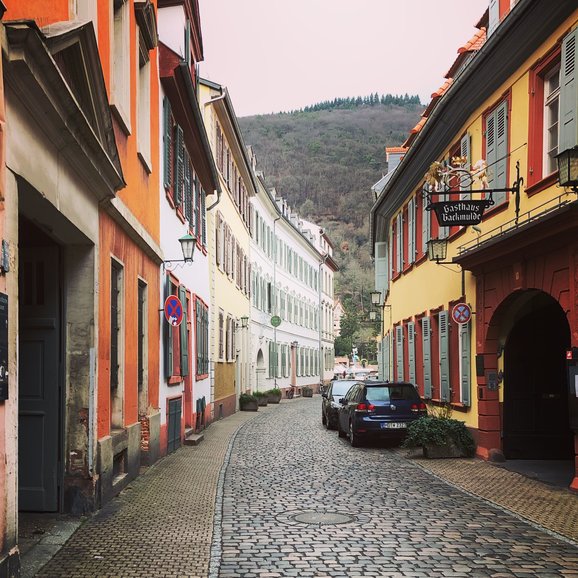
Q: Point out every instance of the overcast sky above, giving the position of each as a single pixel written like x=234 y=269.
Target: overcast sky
x=279 y=55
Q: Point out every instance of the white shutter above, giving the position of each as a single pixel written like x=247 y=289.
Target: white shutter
x=425 y=224
x=494 y=16
x=381 y=272
x=399 y=244
x=465 y=364
x=411 y=230
x=444 y=342
x=411 y=350
x=465 y=152
x=426 y=342
x=399 y=352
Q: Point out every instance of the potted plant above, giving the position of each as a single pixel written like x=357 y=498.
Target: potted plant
x=274 y=395
x=307 y=391
x=248 y=402
x=262 y=398
x=440 y=436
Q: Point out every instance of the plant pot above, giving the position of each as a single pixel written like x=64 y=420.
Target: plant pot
x=262 y=401
x=273 y=398
x=307 y=392
x=439 y=451
x=250 y=406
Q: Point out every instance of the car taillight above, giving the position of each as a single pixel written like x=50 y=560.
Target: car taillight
x=365 y=407
x=419 y=407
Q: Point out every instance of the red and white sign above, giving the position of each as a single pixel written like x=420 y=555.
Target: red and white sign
x=461 y=313
x=173 y=310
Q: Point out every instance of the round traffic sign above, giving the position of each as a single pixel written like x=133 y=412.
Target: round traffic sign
x=461 y=313
x=275 y=321
x=173 y=310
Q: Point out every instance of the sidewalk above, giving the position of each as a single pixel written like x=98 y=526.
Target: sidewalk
x=162 y=522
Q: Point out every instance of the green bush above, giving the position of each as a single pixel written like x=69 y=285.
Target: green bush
x=274 y=391
x=245 y=398
x=259 y=394
x=439 y=431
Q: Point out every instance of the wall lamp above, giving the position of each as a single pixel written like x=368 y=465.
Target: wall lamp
x=568 y=168
x=375 y=298
x=437 y=250
x=188 y=243
x=244 y=322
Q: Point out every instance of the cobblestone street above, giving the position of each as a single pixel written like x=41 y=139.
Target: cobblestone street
x=295 y=500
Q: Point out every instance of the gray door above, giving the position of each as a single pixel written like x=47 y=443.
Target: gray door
x=39 y=365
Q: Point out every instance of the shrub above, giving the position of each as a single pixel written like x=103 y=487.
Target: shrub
x=274 y=391
x=246 y=398
x=439 y=431
x=259 y=394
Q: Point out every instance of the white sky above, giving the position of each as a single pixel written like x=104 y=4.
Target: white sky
x=279 y=55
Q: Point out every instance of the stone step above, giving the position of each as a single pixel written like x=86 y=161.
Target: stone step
x=193 y=439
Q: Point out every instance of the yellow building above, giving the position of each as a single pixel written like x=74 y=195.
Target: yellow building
x=509 y=104
x=228 y=223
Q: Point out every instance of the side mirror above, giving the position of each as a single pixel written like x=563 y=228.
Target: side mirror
x=342 y=401
x=323 y=394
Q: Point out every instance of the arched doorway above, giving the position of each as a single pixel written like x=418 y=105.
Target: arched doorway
x=260 y=371
x=535 y=405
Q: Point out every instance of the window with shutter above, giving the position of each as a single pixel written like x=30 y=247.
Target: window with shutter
x=399 y=352
x=411 y=350
x=569 y=92
x=426 y=343
x=167 y=144
x=167 y=336
x=381 y=272
x=444 y=343
x=465 y=364
x=179 y=166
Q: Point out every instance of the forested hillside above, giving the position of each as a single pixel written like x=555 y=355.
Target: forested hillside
x=324 y=159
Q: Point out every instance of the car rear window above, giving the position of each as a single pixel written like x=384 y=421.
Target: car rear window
x=341 y=387
x=391 y=393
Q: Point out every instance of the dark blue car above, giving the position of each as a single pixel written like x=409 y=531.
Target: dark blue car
x=331 y=397
x=378 y=409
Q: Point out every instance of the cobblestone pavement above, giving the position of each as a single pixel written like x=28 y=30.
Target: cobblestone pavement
x=161 y=525
x=299 y=501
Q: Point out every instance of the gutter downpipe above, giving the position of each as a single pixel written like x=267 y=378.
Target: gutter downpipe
x=275 y=295
x=321 y=357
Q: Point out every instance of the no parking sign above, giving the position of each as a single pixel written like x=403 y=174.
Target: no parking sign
x=461 y=313
x=173 y=310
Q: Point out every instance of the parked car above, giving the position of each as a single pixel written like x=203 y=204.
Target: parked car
x=330 y=402
x=378 y=409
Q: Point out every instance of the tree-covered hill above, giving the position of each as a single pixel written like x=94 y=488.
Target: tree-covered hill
x=324 y=159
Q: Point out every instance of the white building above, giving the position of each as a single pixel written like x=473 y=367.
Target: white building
x=188 y=174
x=290 y=280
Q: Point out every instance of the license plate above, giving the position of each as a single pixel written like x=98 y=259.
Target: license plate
x=393 y=425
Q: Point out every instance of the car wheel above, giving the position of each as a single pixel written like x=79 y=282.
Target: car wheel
x=340 y=432
x=353 y=437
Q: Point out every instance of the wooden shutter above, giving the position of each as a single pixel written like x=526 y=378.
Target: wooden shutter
x=425 y=224
x=494 y=16
x=399 y=352
x=465 y=145
x=568 y=93
x=381 y=273
x=179 y=166
x=399 y=244
x=385 y=357
x=465 y=364
x=501 y=165
x=426 y=341
x=167 y=144
x=203 y=210
x=411 y=350
x=411 y=230
x=184 y=334
x=167 y=336
x=444 y=340
x=187 y=189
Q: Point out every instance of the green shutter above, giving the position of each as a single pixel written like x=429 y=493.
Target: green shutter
x=426 y=341
x=399 y=352
x=425 y=224
x=465 y=152
x=179 y=165
x=167 y=143
x=501 y=165
x=444 y=341
x=203 y=231
x=184 y=334
x=411 y=231
x=568 y=93
x=167 y=336
x=411 y=350
x=187 y=187
x=465 y=363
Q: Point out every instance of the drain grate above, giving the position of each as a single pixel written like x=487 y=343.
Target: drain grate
x=318 y=518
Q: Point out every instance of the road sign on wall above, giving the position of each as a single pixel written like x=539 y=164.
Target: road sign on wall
x=173 y=310
x=461 y=313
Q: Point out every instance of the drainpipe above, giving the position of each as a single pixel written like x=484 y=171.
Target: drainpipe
x=321 y=357
x=275 y=295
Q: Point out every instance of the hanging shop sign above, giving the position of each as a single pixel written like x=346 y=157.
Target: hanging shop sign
x=452 y=178
x=461 y=213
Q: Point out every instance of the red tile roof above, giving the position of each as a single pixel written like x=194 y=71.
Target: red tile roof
x=395 y=149
x=473 y=45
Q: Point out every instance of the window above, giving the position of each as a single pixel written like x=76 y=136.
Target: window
x=202 y=337
x=221 y=335
x=116 y=343
x=120 y=91
x=544 y=118
x=143 y=102
x=176 y=337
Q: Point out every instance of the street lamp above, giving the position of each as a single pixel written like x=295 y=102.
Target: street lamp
x=437 y=249
x=188 y=243
x=244 y=322
x=568 y=168
x=376 y=298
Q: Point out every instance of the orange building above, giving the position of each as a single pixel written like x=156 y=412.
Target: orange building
x=80 y=255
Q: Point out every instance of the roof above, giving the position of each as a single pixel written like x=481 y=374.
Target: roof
x=466 y=51
x=395 y=150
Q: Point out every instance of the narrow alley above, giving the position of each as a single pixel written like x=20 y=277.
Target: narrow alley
x=292 y=499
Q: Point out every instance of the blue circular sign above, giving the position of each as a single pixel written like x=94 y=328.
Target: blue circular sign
x=173 y=310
